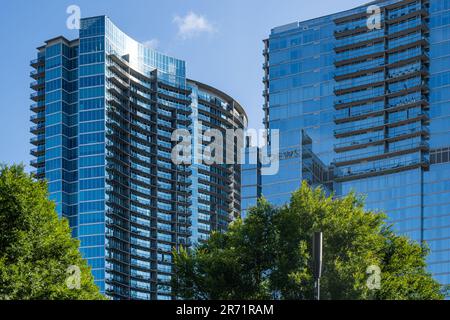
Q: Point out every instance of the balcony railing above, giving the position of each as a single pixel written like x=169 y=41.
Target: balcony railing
x=404 y=26
x=37 y=128
x=38 y=84
x=359 y=38
x=357 y=67
x=401 y=72
x=376 y=154
x=359 y=82
x=408 y=132
x=37 y=151
x=37 y=140
x=395 y=43
x=353 y=54
x=407 y=55
x=37 y=96
x=395 y=119
x=349 y=114
x=36 y=62
x=37 y=163
x=379 y=167
x=38 y=106
x=358 y=128
x=38 y=117
x=35 y=74
x=406 y=100
x=359 y=142
x=381 y=137
x=349 y=28
x=404 y=11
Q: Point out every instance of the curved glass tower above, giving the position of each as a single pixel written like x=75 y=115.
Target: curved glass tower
x=105 y=108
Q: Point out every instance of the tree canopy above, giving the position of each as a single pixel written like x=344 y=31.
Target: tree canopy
x=39 y=259
x=268 y=256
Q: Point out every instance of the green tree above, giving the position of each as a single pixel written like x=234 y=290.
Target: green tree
x=269 y=255
x=38 y=257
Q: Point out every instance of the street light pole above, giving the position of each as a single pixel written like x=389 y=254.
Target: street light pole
x=317 y=261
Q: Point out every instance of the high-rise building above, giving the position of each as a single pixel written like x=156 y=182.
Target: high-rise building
x=105 y=108
x=251 y=177
x=370 y=87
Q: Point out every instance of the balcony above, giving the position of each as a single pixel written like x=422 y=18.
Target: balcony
x=37 y=140
x=350 y=115
x=349 y=18
x=37 y=129
x=39 y=173
x=399 y=59
x=144 y=98
x=37 y=85
x=37 y=107
x=354 y=130
x=359 y=40
x=117 y=92
x=119 y=60
x=392 y=119
x=360 y=143
x=398 y=9
x=407 y=73
x=363 y=53
x=356 y=69
x=376 y=155
x=407 y=27
x=35 y=63
x=353 y=29
x=409 y=102
x=380 y=168
x=347 y=88
x=36 y=118
x=185 y=232
x=147 y=88
x=38 y=151
x=407 y=42
x=115 y=68
x=346 y=116
x=185 y=181
x=421 y=87
x=185 y=221
x=407 y=14
x=407 y=133
x=35 y=74
x=342 y=102
x=119 y=83
x=37 y=163
x=37 y=96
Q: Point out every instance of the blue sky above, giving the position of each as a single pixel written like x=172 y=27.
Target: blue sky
x=220 y=40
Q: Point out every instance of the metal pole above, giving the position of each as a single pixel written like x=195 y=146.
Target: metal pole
x=318 y=289
x=317 y=261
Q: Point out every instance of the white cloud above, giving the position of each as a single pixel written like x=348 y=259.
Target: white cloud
x=152 y=44
x=192 y=25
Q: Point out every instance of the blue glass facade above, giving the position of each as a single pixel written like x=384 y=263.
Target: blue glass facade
x=105 y=108
x=251 y=178
x=374 y=102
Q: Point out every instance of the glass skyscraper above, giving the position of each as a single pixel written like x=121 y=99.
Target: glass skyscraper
x=251 y=178
x=374 y=100
x=104 y=110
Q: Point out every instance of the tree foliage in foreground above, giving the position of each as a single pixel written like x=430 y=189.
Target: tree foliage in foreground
x=269 y=255
x=36 y=248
